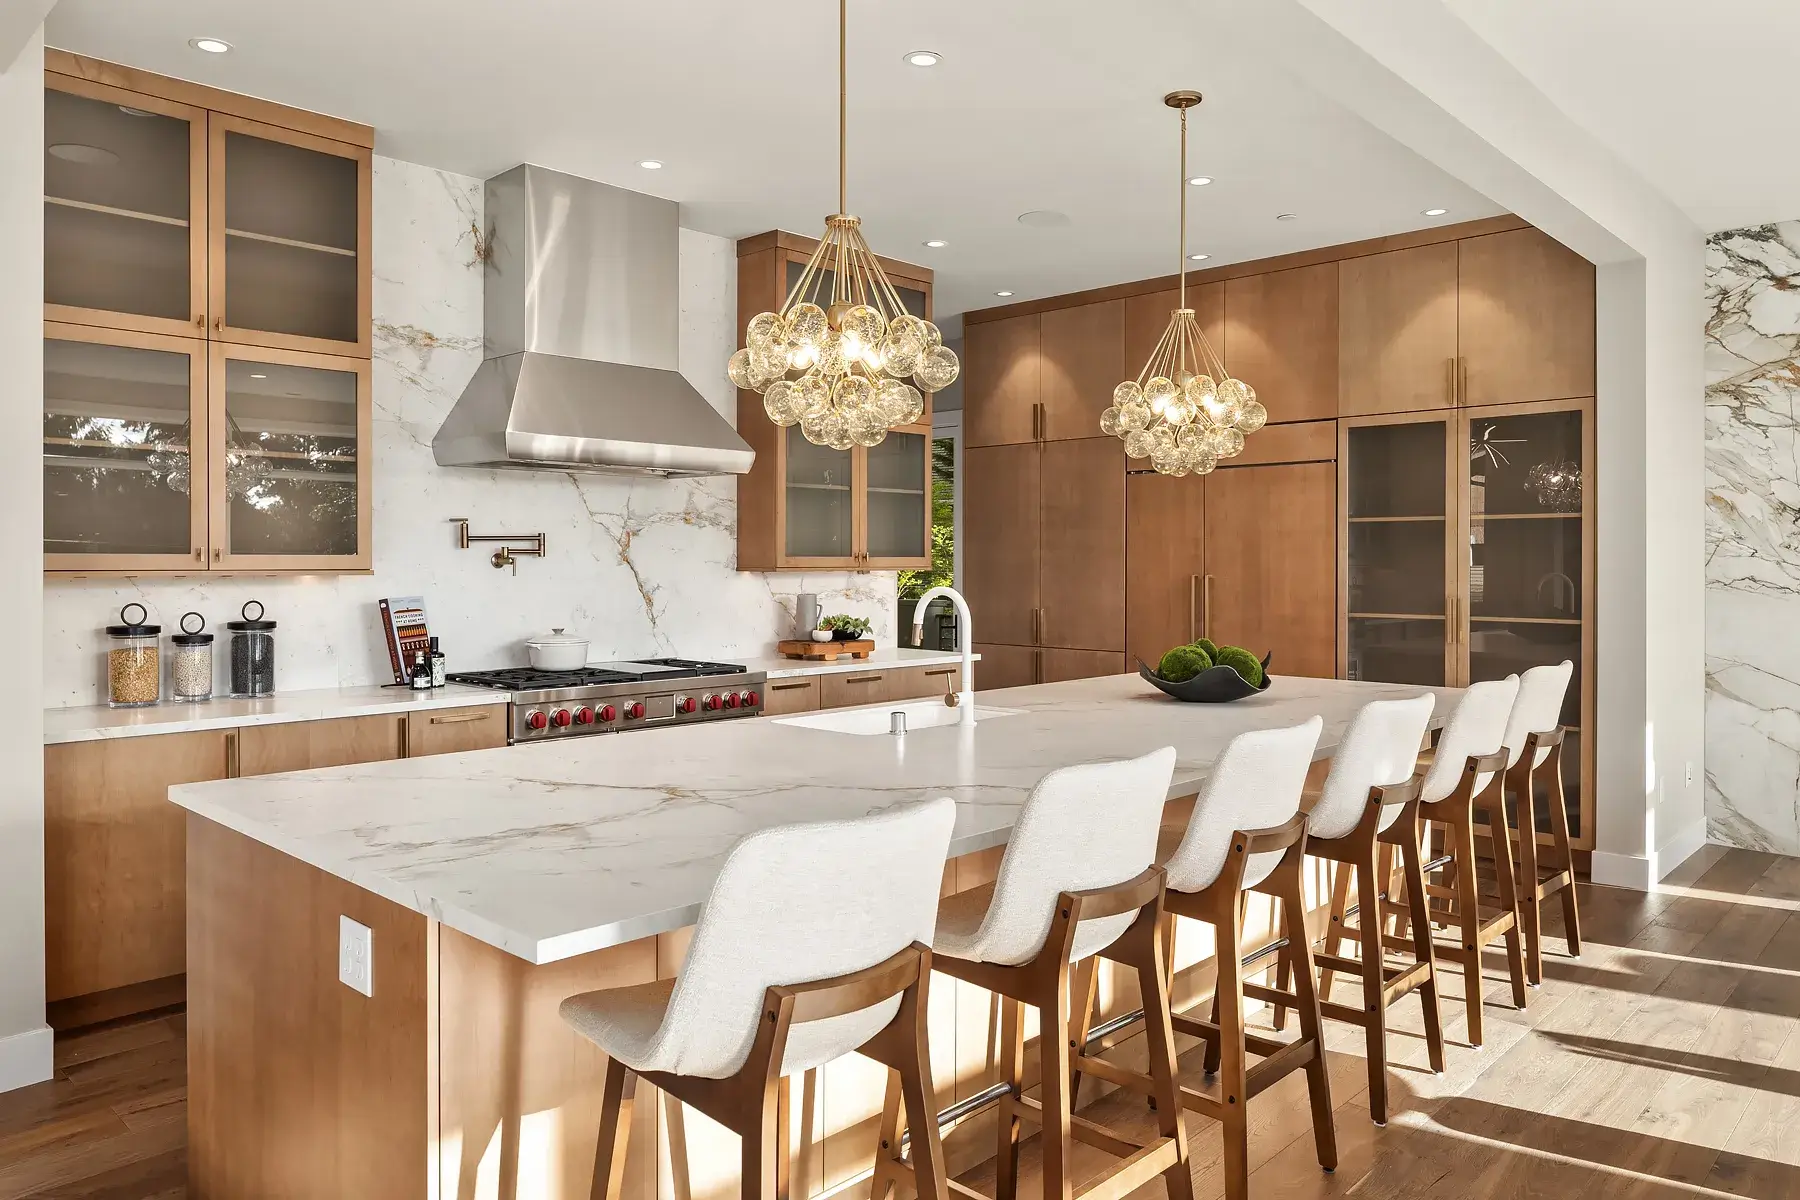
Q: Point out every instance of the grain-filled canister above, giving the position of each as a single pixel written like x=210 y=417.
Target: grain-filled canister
x=252 y=652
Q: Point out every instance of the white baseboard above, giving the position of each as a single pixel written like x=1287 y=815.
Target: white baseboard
x=1676 y=850
x=27 y=1058
x=1641 y=872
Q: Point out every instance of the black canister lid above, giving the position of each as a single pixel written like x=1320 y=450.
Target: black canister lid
x=250 y=622
x=133 y=628
x=192 y=637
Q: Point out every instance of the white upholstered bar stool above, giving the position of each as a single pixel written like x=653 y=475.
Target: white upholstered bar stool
x=1463 y=781
x=1534 y=745
x=1370 y=802
x=812 y=944
x=1245 y=834
x=1077 y=880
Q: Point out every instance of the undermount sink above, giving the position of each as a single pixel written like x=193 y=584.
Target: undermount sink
x=919 y=714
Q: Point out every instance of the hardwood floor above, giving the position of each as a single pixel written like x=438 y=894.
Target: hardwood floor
x=1666 y=1062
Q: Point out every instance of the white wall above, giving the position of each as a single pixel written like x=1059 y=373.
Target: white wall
x=25 y=1042
x=640 y=567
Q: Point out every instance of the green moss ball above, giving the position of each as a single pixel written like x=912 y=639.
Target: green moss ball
x=1183 y=663
x=1243 y=662
x=1212 y=651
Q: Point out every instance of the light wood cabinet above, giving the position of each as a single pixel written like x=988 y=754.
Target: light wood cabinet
x=454 y=730
x=1002 y=381
x=784 y=696
x=1281 y=337
x=1165 y=563
x=224 y=222
x=1002 y=666
x=1271 y=557
x=1081 y=539
x=114 y=898
x=1082 y=356
x=1469 y=555
x=1525 y=319
x=1397 y=330
x=1058 y=665
x=304 y=745
x=804 y=507
x=1000 y=539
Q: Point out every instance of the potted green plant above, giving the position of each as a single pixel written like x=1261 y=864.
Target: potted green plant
x=845 y=628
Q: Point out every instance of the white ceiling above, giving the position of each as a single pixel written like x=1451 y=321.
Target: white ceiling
x=1038 y=104
x=1698 y=98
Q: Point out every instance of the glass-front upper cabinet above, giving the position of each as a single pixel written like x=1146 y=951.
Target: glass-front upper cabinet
x=122 y=412
x=820 y=513
x=289 y=460
x=289 y=237
x=1396 y=599
x=898 y=498
x=124 y=210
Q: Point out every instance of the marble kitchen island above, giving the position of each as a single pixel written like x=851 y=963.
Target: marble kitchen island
x=500 y=881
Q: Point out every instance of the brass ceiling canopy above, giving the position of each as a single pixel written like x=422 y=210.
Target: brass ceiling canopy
x=1184 y=412
x=861 y=361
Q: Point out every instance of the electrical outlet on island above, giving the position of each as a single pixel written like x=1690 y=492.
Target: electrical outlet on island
x=356 y=956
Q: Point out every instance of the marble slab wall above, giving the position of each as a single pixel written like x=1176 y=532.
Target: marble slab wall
x=639 y=566
x=1753 y=537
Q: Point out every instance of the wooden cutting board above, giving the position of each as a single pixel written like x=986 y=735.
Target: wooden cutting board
x=825 y=651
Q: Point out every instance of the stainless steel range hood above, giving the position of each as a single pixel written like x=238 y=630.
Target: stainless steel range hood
x=582 y=320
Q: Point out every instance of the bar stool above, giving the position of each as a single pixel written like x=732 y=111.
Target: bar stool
x=1464 y=782
x=1076 y=881
x=1245 y=834
x=1534 y=742
x=1370 y=802
x=811 y=945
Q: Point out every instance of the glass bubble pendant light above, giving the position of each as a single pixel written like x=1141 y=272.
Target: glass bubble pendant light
x=1184 y=412
x=844 y=361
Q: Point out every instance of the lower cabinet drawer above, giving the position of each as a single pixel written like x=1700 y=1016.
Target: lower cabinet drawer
x=924 y=682
x=844 y=689
x=783 y=696
x=453 y=730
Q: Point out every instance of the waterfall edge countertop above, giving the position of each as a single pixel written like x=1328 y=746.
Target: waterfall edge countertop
x=553 y=850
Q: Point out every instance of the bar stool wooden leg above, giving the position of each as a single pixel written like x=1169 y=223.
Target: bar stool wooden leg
x=1420 y=923
x=1053 y=1051
x=1012 y=1072
x=1228 y=1004
x=616 y=1102
x=1559 y=829
x=1081 y=1001
x=1468 y=915
x=1334 y=930
x=1297 y=954
x=1369 y=920
x=1508 y=882
x=1531 y=926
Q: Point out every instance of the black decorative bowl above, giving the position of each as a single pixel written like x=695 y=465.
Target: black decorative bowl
x=1215 y=685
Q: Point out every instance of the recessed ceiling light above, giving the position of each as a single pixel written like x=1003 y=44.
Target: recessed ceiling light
x=255 y=376
x=1200 y=180
x=937 y=243
x=1436 y=212
x=1287 y=216
x=649 y=164
x=924 y=58
x=1044 y=218
x=1002 y=293
x=87 y=156
x=1198 y=257
x=210 y=45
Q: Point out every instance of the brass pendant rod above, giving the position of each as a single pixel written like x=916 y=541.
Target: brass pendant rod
x=843 y=115
x=1182 y=183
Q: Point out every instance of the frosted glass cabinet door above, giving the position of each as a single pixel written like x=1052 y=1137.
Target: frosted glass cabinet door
x=899 y=487
x=289 y=238
x=124 y=209
x=1397 y=514
x=290 y=469
x=819 y=521
x=122 y=412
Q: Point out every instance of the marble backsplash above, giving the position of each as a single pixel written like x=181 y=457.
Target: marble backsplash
x=1753 y=537
x=638 y=566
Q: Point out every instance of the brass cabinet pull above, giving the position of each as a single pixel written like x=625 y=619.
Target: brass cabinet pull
x=199 y=554
x=217 y=555
x=460 y=718
x=790 y=687
x=231 y=754
x=1450 y=382
x=219 y=325
x=199 y=320
x=1462 y=381
x=865 y=679
x=930 y=671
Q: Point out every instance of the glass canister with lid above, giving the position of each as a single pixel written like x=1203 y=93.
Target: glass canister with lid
x=133 y=660
x=191 y=661
x=252 y=652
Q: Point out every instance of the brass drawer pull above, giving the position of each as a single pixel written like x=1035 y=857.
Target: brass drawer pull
x=865 y=679
x=461 y=718
x=790 y=687
x=231 y=754
x=941 y=671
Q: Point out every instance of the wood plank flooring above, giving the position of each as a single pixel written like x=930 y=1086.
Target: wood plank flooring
x=1665 y=1062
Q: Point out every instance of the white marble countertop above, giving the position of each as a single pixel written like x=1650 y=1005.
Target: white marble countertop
x=886 y=658
x=553 y=850
x=97 y=721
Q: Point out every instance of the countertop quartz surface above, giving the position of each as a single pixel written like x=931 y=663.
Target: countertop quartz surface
x=96 y=721
x=553 y=850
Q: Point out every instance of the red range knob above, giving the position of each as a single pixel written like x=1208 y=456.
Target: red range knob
x=584 y=715
x=712 y=703
x=731 y=700
x=635 y=709
x=751 y=699
x=560 y=718
x=536 y=720
x=686 y=705
x=608 y=713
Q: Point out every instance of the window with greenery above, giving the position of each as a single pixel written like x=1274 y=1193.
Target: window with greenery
x=914 y=584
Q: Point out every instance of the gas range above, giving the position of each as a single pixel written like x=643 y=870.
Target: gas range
x=618 y=697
